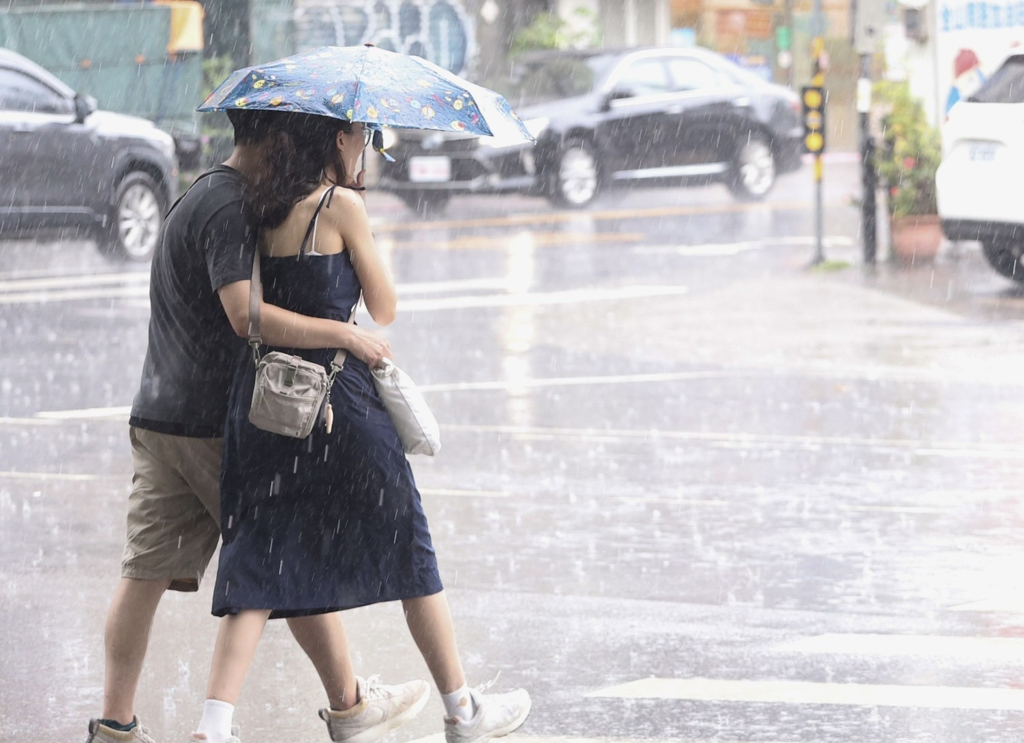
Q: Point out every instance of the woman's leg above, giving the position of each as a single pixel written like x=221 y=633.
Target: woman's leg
x=430 y=622
x=323 y=639
x=237 y=639
x=236 y=645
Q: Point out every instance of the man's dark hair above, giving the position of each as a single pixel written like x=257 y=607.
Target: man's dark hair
x=299 y=147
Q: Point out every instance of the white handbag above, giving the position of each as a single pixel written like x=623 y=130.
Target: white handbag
x=416 y=426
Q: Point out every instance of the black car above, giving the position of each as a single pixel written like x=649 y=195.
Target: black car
x=63 y=164
x=655 y=116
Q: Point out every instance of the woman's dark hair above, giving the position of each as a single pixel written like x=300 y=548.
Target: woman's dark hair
x=300 y=146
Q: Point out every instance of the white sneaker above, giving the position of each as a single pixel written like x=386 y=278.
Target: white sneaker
x=380 y=709
x=496 y=715
x=100 y=733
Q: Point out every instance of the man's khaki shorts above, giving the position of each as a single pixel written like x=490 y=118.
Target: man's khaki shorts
x=174 y=508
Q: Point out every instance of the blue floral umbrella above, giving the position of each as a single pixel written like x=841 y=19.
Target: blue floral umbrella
x=369 y=85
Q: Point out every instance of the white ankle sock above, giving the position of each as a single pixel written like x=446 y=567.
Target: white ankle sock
x=216 y=722
x=459 y=704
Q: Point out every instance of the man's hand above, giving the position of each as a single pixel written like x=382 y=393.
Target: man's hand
x=369 y=347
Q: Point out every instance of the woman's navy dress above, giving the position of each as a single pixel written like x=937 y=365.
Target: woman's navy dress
x=325 y=523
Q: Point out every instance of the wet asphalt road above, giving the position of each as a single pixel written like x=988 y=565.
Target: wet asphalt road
x=690 y=490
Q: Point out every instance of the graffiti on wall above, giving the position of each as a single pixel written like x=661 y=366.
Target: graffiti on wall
x=438 y=30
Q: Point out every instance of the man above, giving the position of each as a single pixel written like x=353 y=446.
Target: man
x=199 y=290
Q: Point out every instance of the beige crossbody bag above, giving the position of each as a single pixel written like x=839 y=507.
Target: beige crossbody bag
x=290 y=394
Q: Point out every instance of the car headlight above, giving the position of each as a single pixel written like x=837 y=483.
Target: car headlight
x=535 y=127
x=166 y=145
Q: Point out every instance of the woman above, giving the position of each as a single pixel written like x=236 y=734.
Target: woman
x=333 y=521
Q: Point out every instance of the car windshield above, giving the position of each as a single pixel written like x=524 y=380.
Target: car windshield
x=1005 y=86
x=543 y=80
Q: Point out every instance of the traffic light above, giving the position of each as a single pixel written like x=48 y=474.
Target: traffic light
x=813 y=99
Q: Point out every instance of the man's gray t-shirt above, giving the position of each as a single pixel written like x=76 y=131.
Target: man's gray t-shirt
x=207 y=241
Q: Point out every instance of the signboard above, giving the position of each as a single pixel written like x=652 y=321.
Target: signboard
x=972 y=40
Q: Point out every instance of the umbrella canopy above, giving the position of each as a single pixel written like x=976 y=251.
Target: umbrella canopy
x=369 y=85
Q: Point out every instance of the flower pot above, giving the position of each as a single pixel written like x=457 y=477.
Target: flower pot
x=916 y=238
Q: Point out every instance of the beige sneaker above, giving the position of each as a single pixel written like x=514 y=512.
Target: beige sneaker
x=496 y=715
x=100 y=733
x=380 y=709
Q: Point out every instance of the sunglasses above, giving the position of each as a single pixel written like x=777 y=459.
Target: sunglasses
x=376 y=137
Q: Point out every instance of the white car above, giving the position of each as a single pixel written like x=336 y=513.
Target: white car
x=982 y=164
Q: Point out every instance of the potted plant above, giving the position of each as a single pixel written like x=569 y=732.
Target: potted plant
x=906 y=163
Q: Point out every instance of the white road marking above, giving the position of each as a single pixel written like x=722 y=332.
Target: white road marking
x=1012 y=603
x=72 y=281
x=45 y=476
x=931 y=646
x=570 y=296
x=503 y=384
x=712 y=250
x=670 y=501
x=87 y=413
x=464 y=493
x=809 y=692
x=498 y=283
x=752 y=439
x=43 y=297
x=898 y=509
x=613 y=435
x=75 y=288
x=27 y=422
x=439 y=738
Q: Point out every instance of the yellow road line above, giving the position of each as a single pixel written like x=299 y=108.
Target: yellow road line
x=515 y=241
x=598 y=216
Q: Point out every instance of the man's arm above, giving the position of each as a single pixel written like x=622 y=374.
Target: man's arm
x=286 y=329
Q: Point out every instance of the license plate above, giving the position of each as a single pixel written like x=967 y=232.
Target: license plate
x=430 y=169
x=982 y=152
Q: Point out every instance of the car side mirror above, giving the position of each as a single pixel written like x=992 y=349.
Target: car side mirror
x=85 y=105
x=618 y=94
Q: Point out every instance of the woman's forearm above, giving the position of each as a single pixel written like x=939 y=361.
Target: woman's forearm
x=286 y=329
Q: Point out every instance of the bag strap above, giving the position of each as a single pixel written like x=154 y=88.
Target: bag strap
x=256 y=290
x=201 y=176
x=339 y=358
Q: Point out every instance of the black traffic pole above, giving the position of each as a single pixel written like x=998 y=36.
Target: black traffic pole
x=869 y=177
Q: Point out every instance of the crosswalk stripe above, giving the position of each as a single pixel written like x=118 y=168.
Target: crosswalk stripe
x=930 y=646
x=811 y=692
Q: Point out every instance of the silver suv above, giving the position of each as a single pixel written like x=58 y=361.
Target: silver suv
x=64 y=164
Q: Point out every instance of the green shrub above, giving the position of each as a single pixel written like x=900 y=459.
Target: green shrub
x=910 y=152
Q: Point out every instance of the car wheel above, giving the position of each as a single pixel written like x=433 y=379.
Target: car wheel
x=576 y=176
x=136 y=219
x=752 y=172
x=1005 y=258
x=426 y=203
